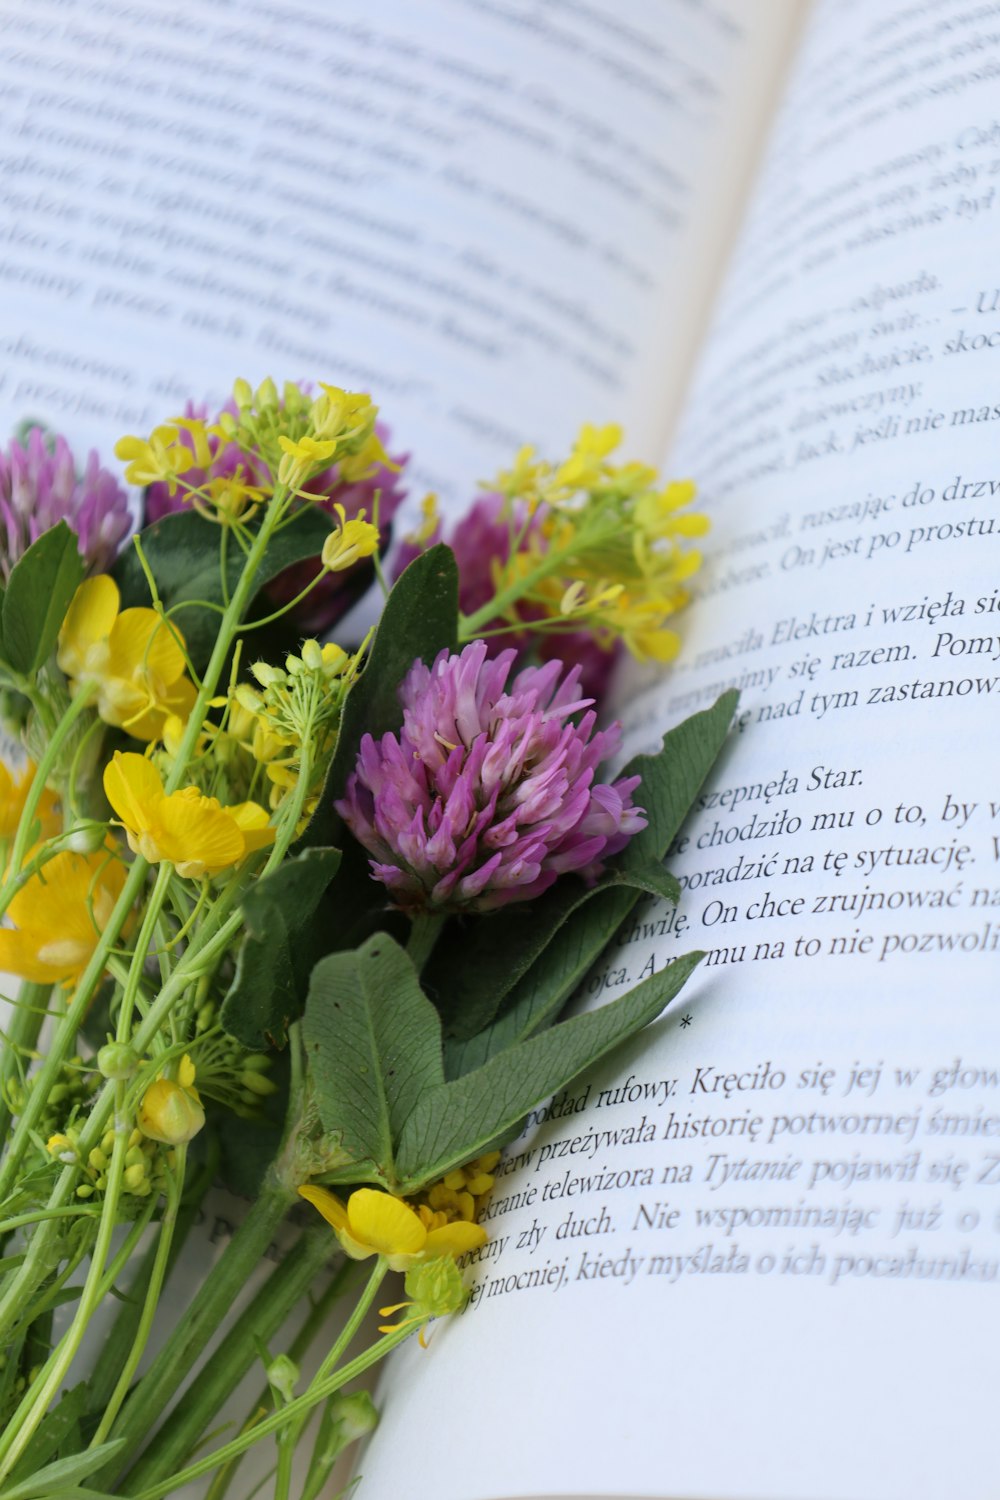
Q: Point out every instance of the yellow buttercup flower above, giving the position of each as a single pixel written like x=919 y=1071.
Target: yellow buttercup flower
x=196 y=833
x=14 y=794
x=59 y=915
x=135 y=658
x=352 y=540
x=376 y=1223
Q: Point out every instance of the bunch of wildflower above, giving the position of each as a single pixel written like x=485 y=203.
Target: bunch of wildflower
x=145 y=1162
x=133 y=660
x=227 y=467
x=481 y=541
x=489 y=792
x=40 y=486
x=292 y=709
x=585 y=547
x=65 y=1100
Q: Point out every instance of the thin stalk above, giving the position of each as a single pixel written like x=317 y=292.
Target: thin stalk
x=424 y=929
x=312 y=1325
x=161 y=1261
x=318 y=1391
x=46 y=766
x=292 y=1433
x=19 y=1041
x=210 y=1305
x=37 y=1399
x=178 y=1435
x=123 y=1031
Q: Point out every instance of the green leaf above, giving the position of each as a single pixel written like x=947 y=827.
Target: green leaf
x=479 y=963
x=183 y=553
x=58 y=1431
x=457 y=1121
x=420 y=619
x=373 y=1042
x=279 y=949
x=57 y=1479
x=39 y=592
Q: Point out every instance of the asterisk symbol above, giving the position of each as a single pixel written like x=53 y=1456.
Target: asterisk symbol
x=685 y=1020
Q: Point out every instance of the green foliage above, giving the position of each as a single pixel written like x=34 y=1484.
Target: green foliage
x=373 y=1044
x=183 y=553
x=39 y=592
x=278 y=950
x=479 y=967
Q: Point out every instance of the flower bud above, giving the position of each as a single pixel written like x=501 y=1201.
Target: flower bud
x=437 y=1286
x=242 y=392
x=117 y=1061
x=283 y=1376
x=258 y=1084
x=170 y=1113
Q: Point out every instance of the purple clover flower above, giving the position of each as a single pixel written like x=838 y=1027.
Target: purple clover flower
x=333 y=596
x=39 y=487
x=479 y=540
x=488 y=794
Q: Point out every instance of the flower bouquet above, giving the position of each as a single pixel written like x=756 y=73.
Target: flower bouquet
x=292 y=916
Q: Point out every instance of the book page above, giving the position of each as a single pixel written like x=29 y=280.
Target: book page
x=759 y=1257
x=500 y=219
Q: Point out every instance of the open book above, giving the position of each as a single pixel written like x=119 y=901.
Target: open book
x=760 y=1259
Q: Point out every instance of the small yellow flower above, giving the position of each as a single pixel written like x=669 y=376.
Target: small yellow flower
x=14 y=794
x=133 y=655
x=227 y=498
x=171 y=1109
x=59 y=915
x=160 y=458
x=429 y=523
x=194 y=832
x=352 y=540
x=376 y=1223
x=303 y=455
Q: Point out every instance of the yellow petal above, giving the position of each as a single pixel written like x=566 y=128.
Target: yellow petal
x=390 y=1226
x=254 y=823
x=133 y=787
x=140 y=641
x=455 y=1239
x=89 y=619
x=19 y=955
x=328 y=1204
x=199 y=838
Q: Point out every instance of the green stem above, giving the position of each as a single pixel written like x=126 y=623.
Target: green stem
x=424 y=929
x=229 y=626
x=161 y=1261
x=29 y=1414
x=179 y=1433
x=40 y=780
x=292 y=1433
x=19 y=1041
x=210 y=1305
x=312 y=1325
x=123 y=1030
x=318 y=1391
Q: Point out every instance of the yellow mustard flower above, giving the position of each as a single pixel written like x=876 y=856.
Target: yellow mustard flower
x=159 y=458
x=350 y=541
x=59 y=915
x=171 y=1109
x=301 y=455
x=14 y=794
x=376 y=1223
x=196 y=833
x=135 y=658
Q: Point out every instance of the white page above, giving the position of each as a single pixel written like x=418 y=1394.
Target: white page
x=502 y=220
x=800 y=1277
